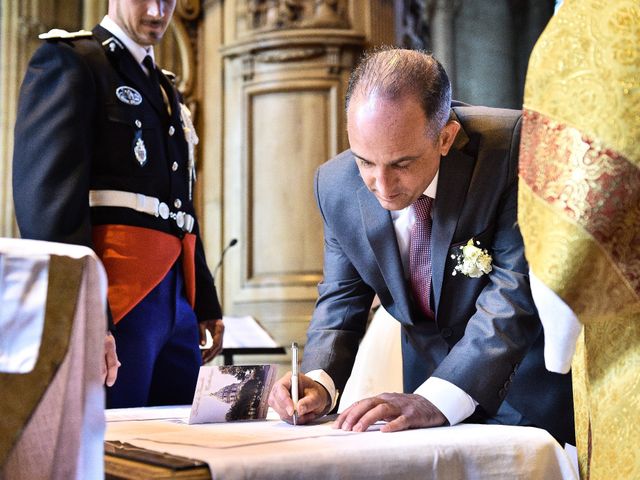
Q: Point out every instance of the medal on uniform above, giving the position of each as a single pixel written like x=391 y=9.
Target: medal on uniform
x=128 y=95
x=139 y=149
x=192 y=140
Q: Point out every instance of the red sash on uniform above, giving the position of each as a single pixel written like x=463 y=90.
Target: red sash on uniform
x=137 y=259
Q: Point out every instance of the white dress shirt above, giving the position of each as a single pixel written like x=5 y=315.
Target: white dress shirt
x=454 y=403
x=561 y=326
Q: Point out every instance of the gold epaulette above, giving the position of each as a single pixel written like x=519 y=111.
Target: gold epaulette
x=170 y=75
x=60 y=34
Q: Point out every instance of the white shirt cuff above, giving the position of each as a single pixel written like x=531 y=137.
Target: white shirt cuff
x=326 y=381
x=560 y=324
x=452 y=401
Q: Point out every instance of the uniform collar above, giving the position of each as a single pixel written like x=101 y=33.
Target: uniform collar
x=137 y=51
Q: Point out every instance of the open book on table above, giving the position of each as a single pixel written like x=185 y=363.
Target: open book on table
x=232 y=392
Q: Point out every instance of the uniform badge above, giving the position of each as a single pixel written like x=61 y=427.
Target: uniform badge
x=112 y=43
x=139 y=149
x=128 y=95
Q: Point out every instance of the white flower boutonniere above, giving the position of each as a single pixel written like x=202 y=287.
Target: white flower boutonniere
x=472 y=261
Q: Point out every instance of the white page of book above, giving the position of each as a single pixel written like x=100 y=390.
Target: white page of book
x=245 y=332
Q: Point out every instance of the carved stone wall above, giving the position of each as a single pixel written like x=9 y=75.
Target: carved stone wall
x=265 y=15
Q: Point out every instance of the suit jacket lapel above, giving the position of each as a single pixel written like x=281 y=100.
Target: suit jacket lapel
x=124 y=62
x=382 y=238
x=453 y=182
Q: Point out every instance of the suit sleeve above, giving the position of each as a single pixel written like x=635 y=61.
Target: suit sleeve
x=52 y=147
x=207 y=305
x=505 y=323
x=341 y=312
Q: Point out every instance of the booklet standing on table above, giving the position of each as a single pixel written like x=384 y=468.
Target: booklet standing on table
x=232 y=392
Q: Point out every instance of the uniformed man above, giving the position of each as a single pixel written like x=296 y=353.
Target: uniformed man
x=104 y=157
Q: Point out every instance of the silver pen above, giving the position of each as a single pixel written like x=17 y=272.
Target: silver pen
x=294 y=380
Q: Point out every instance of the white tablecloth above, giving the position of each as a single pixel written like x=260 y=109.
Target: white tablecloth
x=275 y=450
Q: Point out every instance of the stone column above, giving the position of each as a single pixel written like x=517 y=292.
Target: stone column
x=440 y=16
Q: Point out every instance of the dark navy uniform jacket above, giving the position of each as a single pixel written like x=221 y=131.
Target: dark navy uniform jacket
x=73 y=134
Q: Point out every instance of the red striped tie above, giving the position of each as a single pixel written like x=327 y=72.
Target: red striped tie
x=420 y=255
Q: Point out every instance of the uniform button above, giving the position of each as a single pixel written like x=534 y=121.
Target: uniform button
x=163 y=210
x=171 y=130
x=446 y=332
x=138 y=123
x=177 y=203
x=174 y=166
x=501 y=393
x=180 y=219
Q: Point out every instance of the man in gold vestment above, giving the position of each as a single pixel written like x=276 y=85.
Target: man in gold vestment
x=579 y=213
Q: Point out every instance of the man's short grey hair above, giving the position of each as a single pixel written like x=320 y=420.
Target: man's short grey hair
x=395 y=73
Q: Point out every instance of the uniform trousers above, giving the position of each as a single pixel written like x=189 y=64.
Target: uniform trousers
x=157 y=344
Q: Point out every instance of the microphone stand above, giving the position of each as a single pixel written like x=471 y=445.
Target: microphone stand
x=232 y=243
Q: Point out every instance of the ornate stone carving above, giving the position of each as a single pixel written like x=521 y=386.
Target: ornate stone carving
x=264 y=15
x=289 y=55
x=188 y=9
x=184 y=57
x=247 y=68
x=179 y=48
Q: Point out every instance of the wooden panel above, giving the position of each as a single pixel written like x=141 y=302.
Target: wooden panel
x=285 y=239
x=289 y=128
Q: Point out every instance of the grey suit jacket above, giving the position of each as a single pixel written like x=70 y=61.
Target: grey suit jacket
x=487 y=338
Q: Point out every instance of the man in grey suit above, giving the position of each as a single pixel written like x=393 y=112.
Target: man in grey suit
x=422 y=212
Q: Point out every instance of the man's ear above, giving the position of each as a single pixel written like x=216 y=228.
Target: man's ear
x=447 y=136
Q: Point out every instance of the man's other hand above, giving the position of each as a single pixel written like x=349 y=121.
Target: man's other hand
x=401 y=410
x=111 y=364
x=216 y=329
x=313 y=403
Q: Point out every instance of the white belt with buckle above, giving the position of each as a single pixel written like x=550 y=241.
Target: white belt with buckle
x=140 y=203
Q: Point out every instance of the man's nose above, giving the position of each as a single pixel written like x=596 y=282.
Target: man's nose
x=155 y=8
x=384 y=181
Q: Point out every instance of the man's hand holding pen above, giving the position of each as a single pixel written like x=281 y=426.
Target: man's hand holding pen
x=313 y=399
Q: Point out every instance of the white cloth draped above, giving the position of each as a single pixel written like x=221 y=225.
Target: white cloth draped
x=23 y=291
x=64 y=437
x=561 y=326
